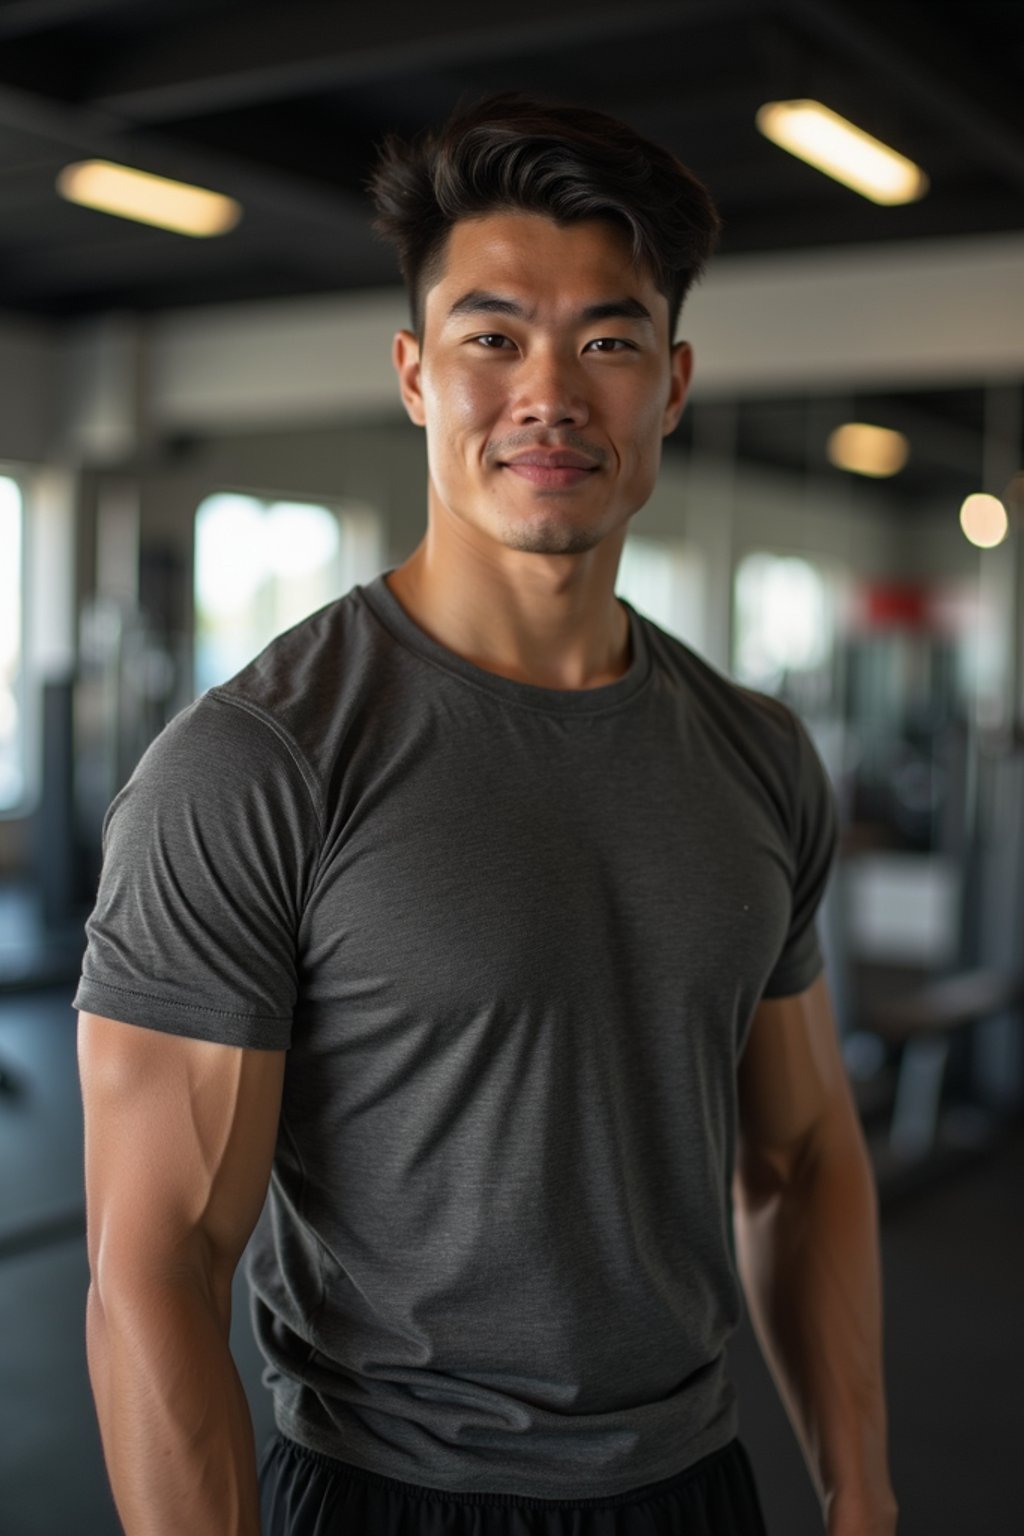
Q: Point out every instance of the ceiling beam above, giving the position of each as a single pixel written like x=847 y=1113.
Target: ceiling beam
x=761 y=327
x=313 y=46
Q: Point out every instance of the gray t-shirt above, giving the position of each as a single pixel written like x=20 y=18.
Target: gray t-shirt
x=512 y=939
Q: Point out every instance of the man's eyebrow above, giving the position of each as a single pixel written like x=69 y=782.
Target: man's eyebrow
x=479 y=301
x=618 y=309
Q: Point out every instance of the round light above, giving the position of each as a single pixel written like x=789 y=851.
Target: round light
x=866 y=450
x=984 y=521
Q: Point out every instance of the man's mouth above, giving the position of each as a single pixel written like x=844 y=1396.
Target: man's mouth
x=555 y=469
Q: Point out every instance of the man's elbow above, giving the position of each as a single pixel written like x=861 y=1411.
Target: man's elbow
x=131 y=1278
x=764 y=1174
x=831 y=1150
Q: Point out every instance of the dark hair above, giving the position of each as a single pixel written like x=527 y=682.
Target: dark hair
x=510 y=151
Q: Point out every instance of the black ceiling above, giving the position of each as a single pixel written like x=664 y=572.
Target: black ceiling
x=280 y=105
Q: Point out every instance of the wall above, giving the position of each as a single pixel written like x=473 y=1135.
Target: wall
x=29 y=372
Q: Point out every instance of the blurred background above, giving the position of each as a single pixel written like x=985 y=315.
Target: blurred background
x=201 y=441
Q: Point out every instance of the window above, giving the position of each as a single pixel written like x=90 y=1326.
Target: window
x=261 y=566
x=782 y=625
x=12 y=723
x=664 y=580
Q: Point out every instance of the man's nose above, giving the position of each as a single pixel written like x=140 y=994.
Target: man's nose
x=550 y=391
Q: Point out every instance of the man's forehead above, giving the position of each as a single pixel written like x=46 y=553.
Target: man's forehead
x=529 y=260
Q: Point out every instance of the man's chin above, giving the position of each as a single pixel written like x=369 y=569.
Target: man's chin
x=551 y=525
x=550 y=538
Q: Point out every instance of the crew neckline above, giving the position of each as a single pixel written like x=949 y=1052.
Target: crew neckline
x=386 y=607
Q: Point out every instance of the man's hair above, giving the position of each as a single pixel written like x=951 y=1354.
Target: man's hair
x=510 y=152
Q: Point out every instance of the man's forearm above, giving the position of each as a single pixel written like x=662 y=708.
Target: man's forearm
x=810 y=1264
x=175 y=1423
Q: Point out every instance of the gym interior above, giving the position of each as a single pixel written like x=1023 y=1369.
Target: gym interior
x=201 y=442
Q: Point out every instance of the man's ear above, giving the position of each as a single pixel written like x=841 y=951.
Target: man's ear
x=682 y=367
x=405 y=354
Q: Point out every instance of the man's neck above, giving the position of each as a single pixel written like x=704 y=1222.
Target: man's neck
x=541 y=631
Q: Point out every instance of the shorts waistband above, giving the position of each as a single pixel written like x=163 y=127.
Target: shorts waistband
x=731 y=1453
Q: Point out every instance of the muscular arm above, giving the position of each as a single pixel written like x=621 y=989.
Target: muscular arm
x=179 y=1139
x=806 y=1229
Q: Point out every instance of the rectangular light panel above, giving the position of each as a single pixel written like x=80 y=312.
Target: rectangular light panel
x=822 y=138
x=148 y=199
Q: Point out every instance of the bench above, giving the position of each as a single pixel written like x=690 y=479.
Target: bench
x=924 y=1022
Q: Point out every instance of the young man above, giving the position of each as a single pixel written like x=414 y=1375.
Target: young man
x=477 y=916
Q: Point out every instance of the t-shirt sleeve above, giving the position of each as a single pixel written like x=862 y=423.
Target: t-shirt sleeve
x=208 y=854
x=814 y=835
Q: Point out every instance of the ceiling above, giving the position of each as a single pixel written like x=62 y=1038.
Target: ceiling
x=281 y=106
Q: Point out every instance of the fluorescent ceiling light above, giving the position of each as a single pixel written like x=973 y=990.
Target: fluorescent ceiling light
x=842 y=150
x=131 y=194
x=867 y=450
x=984 y=521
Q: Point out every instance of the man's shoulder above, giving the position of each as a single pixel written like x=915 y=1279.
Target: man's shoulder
x=306 y=682
x=756 y=734
x=719 y=697
x=282 y=709
x=300 y=664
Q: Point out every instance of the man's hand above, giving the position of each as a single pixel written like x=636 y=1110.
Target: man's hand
x=864 y=1515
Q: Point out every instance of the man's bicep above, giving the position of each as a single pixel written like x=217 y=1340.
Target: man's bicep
x=179 y=1141
x=792 y=1085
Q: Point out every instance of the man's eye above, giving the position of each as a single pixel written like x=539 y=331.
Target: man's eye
x=608 y=344
x=493 y=341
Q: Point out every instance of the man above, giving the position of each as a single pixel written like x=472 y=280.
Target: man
x=477 y=916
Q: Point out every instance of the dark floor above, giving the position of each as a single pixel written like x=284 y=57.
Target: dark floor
x=953 y=1258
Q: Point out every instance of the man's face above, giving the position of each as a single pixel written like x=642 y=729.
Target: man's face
x=545 y=381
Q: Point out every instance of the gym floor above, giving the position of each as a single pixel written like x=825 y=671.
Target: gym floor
x=953 y=1257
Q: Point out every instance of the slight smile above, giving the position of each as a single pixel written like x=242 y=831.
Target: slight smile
x=551 y=471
